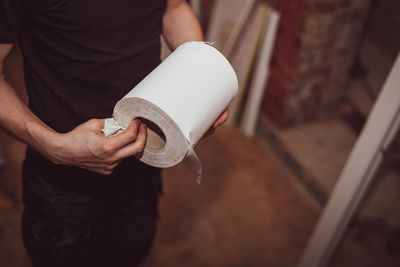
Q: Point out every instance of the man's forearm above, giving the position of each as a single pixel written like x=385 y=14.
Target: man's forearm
x=83 y=147
x=180 y=24
x=17 y=120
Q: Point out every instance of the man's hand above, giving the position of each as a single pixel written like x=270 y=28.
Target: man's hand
x=86 y=146
x=221 y=119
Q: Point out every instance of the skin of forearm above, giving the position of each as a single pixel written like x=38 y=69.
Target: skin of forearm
x=83 y=147
x=17 y=120
x=180 y=24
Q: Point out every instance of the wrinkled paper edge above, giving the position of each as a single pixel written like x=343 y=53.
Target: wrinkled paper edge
x=112 y=128
x=191 y=160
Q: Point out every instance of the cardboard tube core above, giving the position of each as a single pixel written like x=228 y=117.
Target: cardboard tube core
x=155 y=137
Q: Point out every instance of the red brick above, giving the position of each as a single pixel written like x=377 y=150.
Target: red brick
x=315 y=46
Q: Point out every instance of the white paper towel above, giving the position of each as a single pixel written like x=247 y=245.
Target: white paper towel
x=178 y=101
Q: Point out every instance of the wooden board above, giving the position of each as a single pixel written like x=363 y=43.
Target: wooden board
x=260 y=76
x=227 y=20
x=244 y=53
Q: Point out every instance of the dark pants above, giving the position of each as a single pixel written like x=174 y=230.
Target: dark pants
x=100 y=223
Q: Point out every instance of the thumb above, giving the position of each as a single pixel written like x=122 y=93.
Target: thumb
x=94 y=124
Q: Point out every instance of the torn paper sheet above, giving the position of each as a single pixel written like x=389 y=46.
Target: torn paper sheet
x=111 y=127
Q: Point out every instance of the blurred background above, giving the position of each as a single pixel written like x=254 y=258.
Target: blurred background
x=309 y=73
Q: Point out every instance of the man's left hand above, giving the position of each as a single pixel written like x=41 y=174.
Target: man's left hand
x=221 y=119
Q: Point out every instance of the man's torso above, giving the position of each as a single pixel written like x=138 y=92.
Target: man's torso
x=81 y=56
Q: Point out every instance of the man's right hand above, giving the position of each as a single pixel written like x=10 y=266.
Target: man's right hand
x=86 y=146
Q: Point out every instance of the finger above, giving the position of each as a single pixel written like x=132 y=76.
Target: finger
x=97 y=123
x=113 y=162
x=92 y=165
x=222 y=118
x=102 y=169
x=135 y=147
x=113 y=143
x=93 y=124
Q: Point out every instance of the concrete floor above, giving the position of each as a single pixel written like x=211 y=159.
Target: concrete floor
x=249 y=211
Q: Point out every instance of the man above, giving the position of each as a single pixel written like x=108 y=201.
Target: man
x=88 y=202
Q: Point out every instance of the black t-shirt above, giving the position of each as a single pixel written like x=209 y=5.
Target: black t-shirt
x=81 y=56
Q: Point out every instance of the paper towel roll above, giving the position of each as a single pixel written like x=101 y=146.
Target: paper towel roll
x=178 y=101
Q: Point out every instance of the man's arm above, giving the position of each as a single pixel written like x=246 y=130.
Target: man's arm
x=181 y=25
x=83 y=147
x=15 y=117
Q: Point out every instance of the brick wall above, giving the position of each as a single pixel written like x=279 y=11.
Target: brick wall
x=314 y=51
x=316 y=43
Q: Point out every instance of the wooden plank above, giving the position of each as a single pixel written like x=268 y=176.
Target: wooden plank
x=239 y=26
x=227 y=18
x=260 y=77
x=244 y=55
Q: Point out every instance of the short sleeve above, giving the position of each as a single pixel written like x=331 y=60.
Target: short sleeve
x=11 y=19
